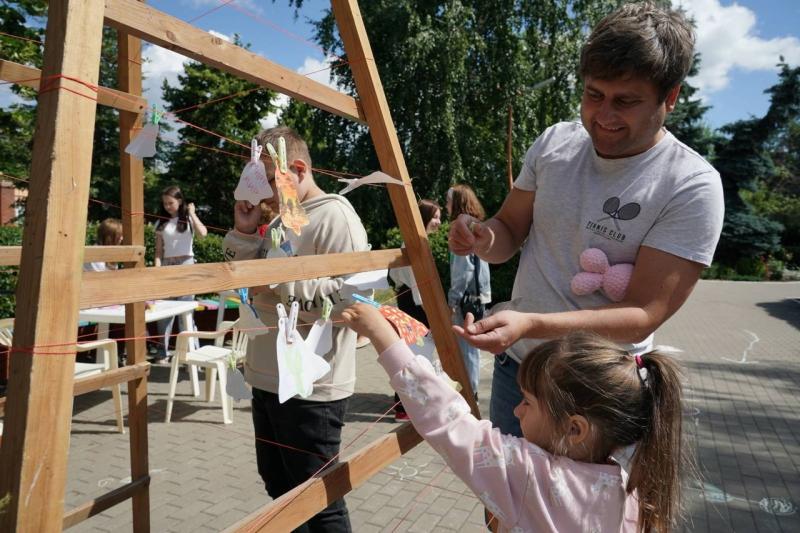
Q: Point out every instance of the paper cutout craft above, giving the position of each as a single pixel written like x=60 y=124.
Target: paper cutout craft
x=374 y=279
x=411 y=330
x=235 y=386
x=275 y=250
x=426 y=349
x=320 y=338
x=375 y=177
x=249 y=321
x=253 y=183
x=293 y=216
x=298 y=366
x=144 y=145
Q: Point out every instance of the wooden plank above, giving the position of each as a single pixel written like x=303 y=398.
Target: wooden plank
x=169 y=32
x=307 y=499
x=10 y=255
x=390 y=155
x=132 y=199
x=110 y=499
x=125 y=286
x=33 y=457
x=101 y=381
x=29 y=77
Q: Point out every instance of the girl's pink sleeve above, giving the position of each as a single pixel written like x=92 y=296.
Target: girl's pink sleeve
x=493 y=465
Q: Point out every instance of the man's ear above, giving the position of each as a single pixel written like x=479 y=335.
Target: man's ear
x=300 y=168
x=578 y=430
x=672 y=98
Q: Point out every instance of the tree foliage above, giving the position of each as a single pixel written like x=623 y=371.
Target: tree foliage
x=207 y=177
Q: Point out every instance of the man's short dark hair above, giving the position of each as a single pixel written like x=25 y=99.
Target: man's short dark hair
x=640 y=40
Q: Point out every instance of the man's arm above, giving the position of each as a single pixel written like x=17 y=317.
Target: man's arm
x=660 y=284
x=500 y=237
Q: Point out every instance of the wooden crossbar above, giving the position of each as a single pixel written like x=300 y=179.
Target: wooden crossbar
x=169 y=32
x=126 y=286
x=29 y=77
x=10 y=255
x=110 y=499
x=304 y=501
x=101 y=381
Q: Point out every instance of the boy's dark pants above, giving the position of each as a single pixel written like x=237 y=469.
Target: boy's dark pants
x=309 y=426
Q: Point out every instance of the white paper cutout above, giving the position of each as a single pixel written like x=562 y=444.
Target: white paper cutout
x=427 y=348
x=253 y=183
x=374 y=279
x=375 y=177
x=320 y=338
x=249 y=321
x=298 y=366
x=236 y=387
x=144 y=145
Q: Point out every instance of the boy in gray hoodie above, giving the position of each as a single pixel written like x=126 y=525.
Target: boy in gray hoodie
x=311 y=424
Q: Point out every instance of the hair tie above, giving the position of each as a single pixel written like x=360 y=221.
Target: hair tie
x=639 y=362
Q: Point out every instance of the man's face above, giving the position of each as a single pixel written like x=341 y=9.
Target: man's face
x=624 y=117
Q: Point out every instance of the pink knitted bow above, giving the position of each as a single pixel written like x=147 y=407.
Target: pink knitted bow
x=599 y=274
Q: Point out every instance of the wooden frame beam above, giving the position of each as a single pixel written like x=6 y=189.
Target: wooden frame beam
x=304 y=501
x=10 y=255
x=33 y=457
x=106 y=501
x=169 y=32
x=29 y=77
x=390 y=155
x=136 y=285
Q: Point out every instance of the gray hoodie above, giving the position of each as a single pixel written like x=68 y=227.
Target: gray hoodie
x=334 y=227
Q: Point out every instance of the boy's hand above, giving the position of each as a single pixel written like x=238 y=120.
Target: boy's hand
x=369 y=322
x=246 y=216
x=467 y=235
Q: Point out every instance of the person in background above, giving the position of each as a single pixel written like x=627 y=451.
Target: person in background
x=109 y=233
x=175 y=233
x=470 y=280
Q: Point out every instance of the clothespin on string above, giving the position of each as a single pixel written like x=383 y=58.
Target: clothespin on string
x=364 y=300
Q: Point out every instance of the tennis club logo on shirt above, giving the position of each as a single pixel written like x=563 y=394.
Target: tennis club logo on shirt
x=615 y=211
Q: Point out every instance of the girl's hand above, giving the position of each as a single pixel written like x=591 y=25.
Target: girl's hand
x=190 y=208
x=495 y=333
x=367 y=321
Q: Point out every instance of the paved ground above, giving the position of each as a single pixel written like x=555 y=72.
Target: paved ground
x=740 y=344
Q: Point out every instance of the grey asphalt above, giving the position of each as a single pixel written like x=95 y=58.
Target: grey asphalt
x=739 y=343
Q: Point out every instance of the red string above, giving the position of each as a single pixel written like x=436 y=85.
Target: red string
x=198 y=17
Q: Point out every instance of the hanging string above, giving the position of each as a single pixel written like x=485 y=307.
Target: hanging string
x=201 y=15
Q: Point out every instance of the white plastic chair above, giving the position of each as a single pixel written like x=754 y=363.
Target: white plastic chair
x=211 y=357
x=107 y=360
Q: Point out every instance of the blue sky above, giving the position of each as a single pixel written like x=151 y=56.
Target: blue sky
x=739 y=44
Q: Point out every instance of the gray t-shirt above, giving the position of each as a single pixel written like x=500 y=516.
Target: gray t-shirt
x=668 y=198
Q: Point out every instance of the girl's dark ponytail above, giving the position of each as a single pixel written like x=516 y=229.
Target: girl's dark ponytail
x=657 y=463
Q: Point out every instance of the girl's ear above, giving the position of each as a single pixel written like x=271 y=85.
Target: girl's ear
x=578 y=430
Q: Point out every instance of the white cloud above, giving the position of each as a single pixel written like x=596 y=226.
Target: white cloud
x=727 y=39
x=160 y=64
x=316 y=70
x=222 y=36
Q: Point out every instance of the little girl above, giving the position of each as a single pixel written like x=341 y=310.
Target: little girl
x=584 y=401
x=174 y=239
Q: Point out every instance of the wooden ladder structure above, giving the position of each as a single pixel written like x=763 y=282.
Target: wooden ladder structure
x=52 y=287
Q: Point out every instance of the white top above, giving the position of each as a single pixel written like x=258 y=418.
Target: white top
x=668 y=198
x=176 y=243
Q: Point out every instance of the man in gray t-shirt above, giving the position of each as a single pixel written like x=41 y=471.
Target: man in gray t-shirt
x=617 y=181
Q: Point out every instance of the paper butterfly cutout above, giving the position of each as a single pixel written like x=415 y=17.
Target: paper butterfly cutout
x=249 y=321
x=375 y=177
x=253 y=183
x=298 y=366
x=144 y=145
x=320 y=338
x=235 y=386
x=411 y=330
x=374 y=279
x=293 y=216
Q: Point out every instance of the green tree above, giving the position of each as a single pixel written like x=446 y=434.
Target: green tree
x=686 y=120
x=206 y=177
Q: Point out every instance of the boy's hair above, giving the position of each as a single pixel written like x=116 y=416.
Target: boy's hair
x=109 y=232
x=642 y=40
x=183 y=212
x=584 y=374
x=428 y=208
x=296 y=147
x=463 y=200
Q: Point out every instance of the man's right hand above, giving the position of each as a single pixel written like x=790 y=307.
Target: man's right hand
x=246 y=216
x=467 y=235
